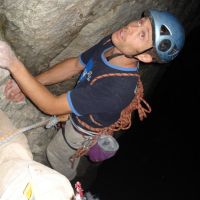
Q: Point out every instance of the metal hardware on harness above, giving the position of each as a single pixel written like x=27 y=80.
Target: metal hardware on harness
x=52 y=122
x=88 y=142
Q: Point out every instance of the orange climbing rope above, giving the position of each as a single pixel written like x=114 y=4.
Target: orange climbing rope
x=124 y=122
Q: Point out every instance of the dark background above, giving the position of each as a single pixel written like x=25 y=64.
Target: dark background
x=158 y=158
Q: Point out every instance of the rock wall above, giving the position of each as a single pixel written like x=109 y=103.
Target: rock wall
x=44 y=32
x=25 y=114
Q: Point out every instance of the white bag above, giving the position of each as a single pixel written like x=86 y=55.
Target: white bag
x=21 y=178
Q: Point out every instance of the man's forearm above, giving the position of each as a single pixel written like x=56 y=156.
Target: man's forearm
x=60 y=72
x=38 y=93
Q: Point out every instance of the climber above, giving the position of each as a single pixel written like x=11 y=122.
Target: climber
x=108 y=90
x=23 y=178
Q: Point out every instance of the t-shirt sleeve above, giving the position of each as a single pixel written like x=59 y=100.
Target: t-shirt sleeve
x=85 y=56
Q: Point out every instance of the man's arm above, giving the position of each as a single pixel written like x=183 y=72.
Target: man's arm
x=38 y=93
x=60 y=72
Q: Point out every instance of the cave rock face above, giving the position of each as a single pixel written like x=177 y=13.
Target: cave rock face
x=44 y=32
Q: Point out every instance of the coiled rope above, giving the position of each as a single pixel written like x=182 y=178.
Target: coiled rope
x=124 y=122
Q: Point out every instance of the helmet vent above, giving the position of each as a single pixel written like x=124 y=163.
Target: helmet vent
x=174 y=50
x=164 y=30
x=164 y=45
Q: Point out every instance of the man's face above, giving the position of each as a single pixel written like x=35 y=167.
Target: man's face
x=134 y=38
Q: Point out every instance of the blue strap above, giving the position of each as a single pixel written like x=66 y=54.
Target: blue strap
x=87 y=68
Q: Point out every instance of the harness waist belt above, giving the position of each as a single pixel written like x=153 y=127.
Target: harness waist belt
x=81 y=130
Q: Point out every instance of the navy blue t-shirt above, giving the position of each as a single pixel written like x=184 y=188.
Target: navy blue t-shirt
x=107 y=97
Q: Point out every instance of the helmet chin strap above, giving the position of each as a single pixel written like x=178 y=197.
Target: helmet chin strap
x=132 y=56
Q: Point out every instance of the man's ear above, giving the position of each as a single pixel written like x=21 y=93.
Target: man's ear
x=145 y=57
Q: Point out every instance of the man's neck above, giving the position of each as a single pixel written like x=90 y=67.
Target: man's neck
x=117 y=58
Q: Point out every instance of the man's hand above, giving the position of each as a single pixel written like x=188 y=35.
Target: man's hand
x=13 y=92
x=7 y=56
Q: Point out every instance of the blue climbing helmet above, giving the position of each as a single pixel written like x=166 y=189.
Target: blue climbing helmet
x=168 y=34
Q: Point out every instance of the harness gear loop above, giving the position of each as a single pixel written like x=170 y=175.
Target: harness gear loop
x=124 y=122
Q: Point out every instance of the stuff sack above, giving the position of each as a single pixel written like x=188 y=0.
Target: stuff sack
x=105 y=147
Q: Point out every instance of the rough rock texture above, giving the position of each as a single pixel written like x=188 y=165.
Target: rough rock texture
x=25 y=114
x=44 y=32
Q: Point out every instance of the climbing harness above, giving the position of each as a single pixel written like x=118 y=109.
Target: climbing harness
x=52 y=121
